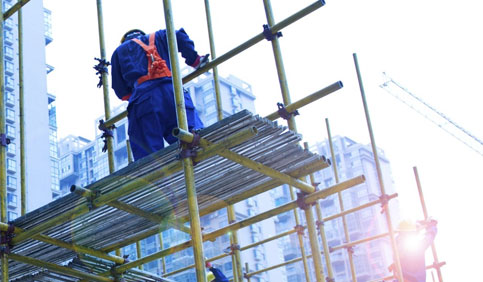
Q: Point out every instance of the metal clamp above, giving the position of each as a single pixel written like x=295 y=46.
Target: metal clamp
x=282 y=111
x=107 y=133
x=101 y=68
x=329 y=279
x=267 y=32
x=90 y=200
x=350 y=249
x=384 y=202
x=188 y=149
x=4 y=141
x=300 y=229
x=301 y=201
x=6 y=240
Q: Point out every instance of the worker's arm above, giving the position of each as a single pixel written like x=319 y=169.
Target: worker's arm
x=431 y=231
x=121 y=88
x=186 y=47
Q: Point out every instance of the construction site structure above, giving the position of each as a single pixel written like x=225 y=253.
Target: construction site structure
x=78 y=237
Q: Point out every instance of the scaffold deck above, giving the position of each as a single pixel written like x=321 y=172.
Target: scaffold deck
x=218 y=181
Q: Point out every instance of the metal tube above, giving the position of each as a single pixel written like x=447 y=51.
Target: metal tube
x=21 y=102
x=300 y=239
x=59 y=269
x=247 y=271
x=129 y=152
x=105 y=85
x=397 y=262
x=426 y=217
x=16 y=7
x=237 y=50
x=277 y=53
x=308 y=99
x=161 y=247
x=236 y=258
x=358 y=242
x=341 y=202
x=244 y=223
x=216 y=81
x=195 y=223
x=3 y=151
x=320 y=224
x=138 y=253
x=188 y=137
x=314 y=245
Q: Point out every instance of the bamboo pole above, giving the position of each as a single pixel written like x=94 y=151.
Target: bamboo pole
x=3 y=152
x=397 y=262
x=341 y=202
x=195 y=223
x=105 y=85
x=237 y=50
x=426 y=217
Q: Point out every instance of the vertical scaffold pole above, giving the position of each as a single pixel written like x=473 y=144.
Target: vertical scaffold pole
x=161 y=247
x=3 y=152
x=291 y=121
x=425 y=213
x=235 y=247
x=21 y=99
x=105 y=84
x=320 y=224
x=219 y=107
x=194 y=213
x=301 y=239
x=314 y=244
x=341 y=202
x=138 y=252
x=397 y=262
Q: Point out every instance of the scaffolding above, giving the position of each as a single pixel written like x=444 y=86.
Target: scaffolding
x=78 y=237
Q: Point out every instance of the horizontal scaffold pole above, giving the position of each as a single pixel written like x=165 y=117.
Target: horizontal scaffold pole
x=130 y=187
x=187 y=137
x=69 y=246
x=308 y=99
x=430 y=266
x=246 y=222
x=14 y=9
x=296 y=173
x=132 y=209
x=237 y=50
x=58 y=268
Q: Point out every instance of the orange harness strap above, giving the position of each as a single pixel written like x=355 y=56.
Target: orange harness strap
x=157 y=67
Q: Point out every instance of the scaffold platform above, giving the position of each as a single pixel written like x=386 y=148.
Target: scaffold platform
x=149 y=195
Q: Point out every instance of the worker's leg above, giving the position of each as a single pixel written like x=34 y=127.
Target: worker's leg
x=145 y=128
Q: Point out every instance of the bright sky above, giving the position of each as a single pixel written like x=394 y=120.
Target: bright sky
x=433 y=48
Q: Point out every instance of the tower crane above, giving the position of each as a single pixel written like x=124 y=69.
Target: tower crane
x=432 y=114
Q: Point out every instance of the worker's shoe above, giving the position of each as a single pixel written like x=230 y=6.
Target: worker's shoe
x=201 y=61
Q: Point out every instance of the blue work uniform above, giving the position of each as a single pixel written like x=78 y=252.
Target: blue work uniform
x=219 y=276
x=152 y=107
x=413 y=262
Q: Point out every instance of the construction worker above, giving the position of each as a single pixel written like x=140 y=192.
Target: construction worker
x=141 y=75
x=215 y=275
x=412 y=246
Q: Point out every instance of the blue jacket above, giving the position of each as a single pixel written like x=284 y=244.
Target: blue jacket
x=219 y=276
x=129 y=61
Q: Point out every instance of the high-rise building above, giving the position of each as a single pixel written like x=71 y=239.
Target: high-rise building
x=39 y=110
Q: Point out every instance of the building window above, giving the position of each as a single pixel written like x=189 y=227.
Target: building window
x=11 y=130
x=8 y=35
x=11 y=149
x=11 y=182
x=208 y=98
x=10 y=82
x=210 y=109
x=9 y=67
x=12 y=165
x=10 y=98
x=12 y=200
x=8 y=52
x=10 y=114
x=121 y=134
x=12 y=215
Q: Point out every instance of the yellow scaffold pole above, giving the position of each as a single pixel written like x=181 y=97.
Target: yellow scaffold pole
x=195 y=223
x=397 y=262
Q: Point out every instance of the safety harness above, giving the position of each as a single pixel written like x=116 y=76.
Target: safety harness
x=157 y=67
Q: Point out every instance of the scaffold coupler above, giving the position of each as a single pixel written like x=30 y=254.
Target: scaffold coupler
x=286 y=115
x=6 y=240
x=107 y=133
x=101 y=68
x=4 y=141
x=267 y=32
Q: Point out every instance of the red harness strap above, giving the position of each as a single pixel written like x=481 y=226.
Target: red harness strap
x=157 y=67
